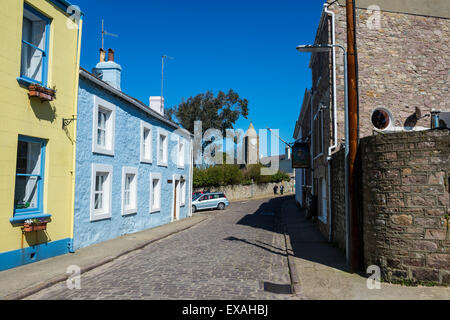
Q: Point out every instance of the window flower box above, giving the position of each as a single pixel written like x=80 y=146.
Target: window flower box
x=45 y=94
x=31 y=225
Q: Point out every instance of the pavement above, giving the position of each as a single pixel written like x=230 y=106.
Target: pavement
x=25 y=280
x=321 y=272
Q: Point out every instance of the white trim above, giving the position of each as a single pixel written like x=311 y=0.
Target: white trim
x=154 y=175
x=164 y=162
x=106 y=212
x=145 y=125
x=175 y=177
x=99 y=103
x=183 y=193
x=133 y=191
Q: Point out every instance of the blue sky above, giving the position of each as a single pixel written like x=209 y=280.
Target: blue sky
x=244 y=45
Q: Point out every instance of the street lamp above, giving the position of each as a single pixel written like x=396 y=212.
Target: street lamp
x=317 y=48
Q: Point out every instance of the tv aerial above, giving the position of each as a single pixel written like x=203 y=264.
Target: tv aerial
x=106 y=33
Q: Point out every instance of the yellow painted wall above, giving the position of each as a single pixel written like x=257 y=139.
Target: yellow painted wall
x=21 y=115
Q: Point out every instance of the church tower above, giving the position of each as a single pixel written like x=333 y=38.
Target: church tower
x=251 y=146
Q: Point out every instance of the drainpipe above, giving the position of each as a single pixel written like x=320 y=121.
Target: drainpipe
x=332 y=147
x=74 y=153
x=191 y=176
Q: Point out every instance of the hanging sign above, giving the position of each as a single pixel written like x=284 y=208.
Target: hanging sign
x=300 y=155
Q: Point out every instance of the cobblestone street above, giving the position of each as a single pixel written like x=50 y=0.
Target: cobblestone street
x=237 y=254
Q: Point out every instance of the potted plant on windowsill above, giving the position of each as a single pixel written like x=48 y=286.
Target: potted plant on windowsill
x=38 y=224
x=41 y=92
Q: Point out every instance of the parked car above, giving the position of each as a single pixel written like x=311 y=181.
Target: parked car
x=212 y=200
x=198 y=193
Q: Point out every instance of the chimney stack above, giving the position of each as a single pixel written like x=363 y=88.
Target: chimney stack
x=157 y=104
x=102 y=55
x=110 y=54
x=108 y=71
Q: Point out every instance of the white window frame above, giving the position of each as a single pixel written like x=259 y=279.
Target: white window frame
x=149 y=142
x=181 y=154
x=99 y=103
x=133 y=190
x=105 y=213
x=164 y=162
x=154 y=176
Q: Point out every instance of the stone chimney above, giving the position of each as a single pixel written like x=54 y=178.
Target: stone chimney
x=108 y=71
x=157 y=104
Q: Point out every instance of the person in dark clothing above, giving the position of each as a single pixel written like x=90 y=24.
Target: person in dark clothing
x=281 y=189
x=275 y=189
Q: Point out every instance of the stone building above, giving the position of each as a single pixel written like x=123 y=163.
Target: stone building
x=402 y=75
x=251 y=146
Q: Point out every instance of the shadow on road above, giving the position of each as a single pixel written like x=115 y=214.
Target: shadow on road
x=306 y=240
x=266 y=217
x=279 y=251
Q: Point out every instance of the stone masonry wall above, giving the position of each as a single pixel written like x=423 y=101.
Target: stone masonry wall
x=405 y=188
x=241 y=192
x=402 y=64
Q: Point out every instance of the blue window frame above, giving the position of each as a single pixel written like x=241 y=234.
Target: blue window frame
x=35 y=44
x=29 y=185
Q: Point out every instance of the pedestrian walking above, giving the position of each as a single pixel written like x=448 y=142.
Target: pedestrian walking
x=281 y=189
x=275 y=189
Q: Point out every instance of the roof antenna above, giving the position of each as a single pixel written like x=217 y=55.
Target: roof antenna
x=162 y=77
x=105 y=33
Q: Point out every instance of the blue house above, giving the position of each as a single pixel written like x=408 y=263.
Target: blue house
x=133 y=165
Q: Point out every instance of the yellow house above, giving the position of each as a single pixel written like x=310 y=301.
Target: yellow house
x=39 y=64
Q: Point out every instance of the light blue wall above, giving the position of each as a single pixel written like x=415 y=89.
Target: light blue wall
x=127 y=154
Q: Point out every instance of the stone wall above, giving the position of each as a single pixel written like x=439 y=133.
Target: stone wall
x=405 y=199
x=402 y=64
x=404 y=192
x=243 y=192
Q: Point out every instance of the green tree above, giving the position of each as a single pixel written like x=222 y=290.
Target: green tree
x=220 y=112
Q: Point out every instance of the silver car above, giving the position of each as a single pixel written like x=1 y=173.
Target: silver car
x=211 y=200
